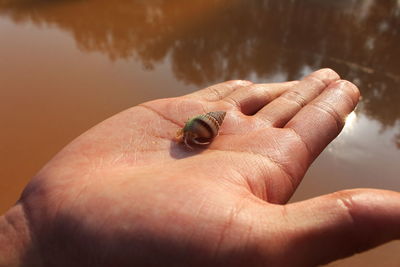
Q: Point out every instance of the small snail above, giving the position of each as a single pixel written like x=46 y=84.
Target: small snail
x=201 y=129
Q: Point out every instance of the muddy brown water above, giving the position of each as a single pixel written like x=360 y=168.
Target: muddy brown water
x=67 y=65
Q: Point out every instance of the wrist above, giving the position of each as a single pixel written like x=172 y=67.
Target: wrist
x=16 y=246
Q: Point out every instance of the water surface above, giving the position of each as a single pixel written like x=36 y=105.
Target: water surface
x=67 y=65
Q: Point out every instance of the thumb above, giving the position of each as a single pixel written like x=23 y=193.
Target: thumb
x=334 y=226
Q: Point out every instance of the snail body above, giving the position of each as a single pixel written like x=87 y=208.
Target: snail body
x=201 y=129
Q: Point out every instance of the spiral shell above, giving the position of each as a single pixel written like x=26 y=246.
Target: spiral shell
x=201 y=129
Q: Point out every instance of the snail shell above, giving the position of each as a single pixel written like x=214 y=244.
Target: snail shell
x=201 y=129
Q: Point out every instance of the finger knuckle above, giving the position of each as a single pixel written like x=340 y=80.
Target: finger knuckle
x=331 y=111
x=295 y=97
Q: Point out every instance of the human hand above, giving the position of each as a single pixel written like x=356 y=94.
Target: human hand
x=125 y=193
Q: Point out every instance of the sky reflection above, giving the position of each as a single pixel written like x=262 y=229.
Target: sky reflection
x=60 y=59
x=258 y=40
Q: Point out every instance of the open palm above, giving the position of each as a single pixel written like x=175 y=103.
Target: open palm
x=127 y=193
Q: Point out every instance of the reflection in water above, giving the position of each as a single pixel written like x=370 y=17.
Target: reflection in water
x=202 y=42
x=220 y=39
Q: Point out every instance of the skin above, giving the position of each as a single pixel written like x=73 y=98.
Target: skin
x=126 y=194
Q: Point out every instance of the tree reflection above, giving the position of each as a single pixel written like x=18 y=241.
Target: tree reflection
x=210 y=41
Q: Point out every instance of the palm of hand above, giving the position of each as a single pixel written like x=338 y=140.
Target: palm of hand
x=127 y=189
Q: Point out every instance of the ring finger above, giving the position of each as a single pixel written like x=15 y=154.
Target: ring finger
x=251 y=98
